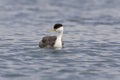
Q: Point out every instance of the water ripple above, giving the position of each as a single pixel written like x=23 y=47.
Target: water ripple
x=91 y=40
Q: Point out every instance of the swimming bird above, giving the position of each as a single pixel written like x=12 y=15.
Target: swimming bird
x=53 y=41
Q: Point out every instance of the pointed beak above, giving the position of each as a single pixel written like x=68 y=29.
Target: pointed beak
x=51 y=30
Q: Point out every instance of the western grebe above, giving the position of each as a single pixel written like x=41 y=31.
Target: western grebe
x=53 y=41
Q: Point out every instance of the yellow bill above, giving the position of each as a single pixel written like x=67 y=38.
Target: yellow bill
x=50 y=30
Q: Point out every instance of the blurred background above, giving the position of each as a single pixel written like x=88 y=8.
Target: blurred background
x=91 y=37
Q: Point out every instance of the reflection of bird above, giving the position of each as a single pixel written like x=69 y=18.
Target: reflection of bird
x=53 y=41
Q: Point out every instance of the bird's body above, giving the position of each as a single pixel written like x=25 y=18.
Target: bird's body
x=47 y=42
x=53 y=41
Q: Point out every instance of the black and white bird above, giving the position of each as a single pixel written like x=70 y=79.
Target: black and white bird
x=53 y=41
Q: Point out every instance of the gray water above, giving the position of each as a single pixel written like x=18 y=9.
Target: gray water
x=91 y=40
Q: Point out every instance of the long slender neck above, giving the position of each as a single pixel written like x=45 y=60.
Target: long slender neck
x=59 y=36
x=58 y=42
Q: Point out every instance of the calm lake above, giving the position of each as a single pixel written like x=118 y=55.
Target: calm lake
x=91 y=40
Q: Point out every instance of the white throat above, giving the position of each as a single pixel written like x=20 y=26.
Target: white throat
x=58 y=42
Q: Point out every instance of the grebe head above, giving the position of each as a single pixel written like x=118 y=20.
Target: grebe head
x=58 y=28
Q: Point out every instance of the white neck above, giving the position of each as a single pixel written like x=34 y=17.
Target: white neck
x=58 y=42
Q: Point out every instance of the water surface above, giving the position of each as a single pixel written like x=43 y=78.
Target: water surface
x=91 y=40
